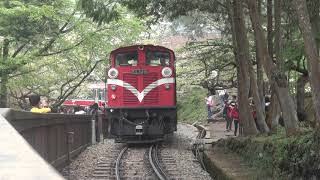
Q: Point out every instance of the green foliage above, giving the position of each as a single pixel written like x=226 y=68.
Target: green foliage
x=54 y=48
x=279 y=156
x=191 y=105
x=100 y=11
x=23 y=21
x=200 y=59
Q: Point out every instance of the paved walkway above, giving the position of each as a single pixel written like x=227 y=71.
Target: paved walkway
x=225 y=165
x=218 y=130
x=17 y=158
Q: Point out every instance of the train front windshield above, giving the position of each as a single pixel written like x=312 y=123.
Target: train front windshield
x=156 y=58
x=127 y=59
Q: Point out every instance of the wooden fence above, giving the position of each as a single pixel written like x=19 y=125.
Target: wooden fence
x=56 y=137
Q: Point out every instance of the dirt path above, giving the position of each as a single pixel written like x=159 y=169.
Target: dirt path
x=218 y=130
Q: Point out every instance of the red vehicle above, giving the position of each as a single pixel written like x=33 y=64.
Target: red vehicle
x=80 y=102
x=141 y=93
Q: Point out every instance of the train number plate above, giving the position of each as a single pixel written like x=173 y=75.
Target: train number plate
x=139 y=71
x=139 y=130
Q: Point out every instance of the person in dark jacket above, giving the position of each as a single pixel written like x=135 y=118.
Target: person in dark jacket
x=235 y=117
x=254 y=114
x=227 y=116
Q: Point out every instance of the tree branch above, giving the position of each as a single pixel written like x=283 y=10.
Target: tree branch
x=300 y=70
x=63 y=50
x=78 y=84
x=19 y=50
x=61 y=31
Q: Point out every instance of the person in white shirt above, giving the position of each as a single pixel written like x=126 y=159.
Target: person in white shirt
x=221 y=96
x=209 y=103
x=79 y=110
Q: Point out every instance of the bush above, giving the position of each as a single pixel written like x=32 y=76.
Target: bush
x=278 y=156
x=191 y=105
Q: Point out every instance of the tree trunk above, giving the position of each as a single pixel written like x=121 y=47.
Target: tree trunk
x=242 y=48
x=314 y=11
x=260 y=81
x=4 y=75
x=274 y=111
x=261 y=121
x=311 y=52
x=277 y=29
x=273 y=73
x=301 y=83
x=274 y=107
x=270 y=27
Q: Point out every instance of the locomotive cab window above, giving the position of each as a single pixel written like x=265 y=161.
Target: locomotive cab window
x=156 y=58
x=127 y=59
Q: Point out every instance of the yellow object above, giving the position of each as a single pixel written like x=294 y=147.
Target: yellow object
x=40 y=110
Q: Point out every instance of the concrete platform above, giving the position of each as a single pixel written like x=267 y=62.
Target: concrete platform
x=227 y=166
x=224 y=165
x=217 y=130
x=18 y=160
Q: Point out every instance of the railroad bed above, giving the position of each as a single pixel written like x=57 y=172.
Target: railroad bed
x=170 y=160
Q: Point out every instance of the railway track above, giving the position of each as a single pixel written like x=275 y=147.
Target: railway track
x=105 y=167
x=132 y=163
x=138 y=162
x=145 y=161
x=197 y=147
x=155 y=163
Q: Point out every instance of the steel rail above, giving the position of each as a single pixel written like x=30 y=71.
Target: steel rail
x=117 y=169
x=158 y=162
x=196 y=147
x=154 y=161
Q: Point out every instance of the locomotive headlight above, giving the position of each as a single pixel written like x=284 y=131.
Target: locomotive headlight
x=113 y=87
x=113 y=96
x=113 y=73
x=166 y=72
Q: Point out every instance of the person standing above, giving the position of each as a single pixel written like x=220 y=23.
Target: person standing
x=225 y=114
x=235 y=117
x=209 y=103
x=37 y=107
x=233 y=99
x=254 y=114
x=226 y=95
x=221 y=96
x=79 y=110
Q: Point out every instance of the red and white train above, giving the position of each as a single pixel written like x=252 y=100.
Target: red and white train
x=141 y=94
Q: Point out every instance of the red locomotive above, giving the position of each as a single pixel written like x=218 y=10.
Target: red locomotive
x=141 y=94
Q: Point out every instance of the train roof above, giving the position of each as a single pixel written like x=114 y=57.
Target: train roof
x=138 y=46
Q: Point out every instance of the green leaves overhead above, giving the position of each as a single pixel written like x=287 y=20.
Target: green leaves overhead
x=100 y=11
x=54 y=48
x=201 y=58
x=24 y=21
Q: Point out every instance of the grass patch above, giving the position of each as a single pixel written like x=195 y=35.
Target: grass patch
x=191 y=105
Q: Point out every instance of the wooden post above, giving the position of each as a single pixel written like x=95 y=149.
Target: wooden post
x=70 y=140
x=93 y=131
x=100 y=128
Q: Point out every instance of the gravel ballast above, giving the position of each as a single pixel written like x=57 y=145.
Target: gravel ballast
x=179 y=146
